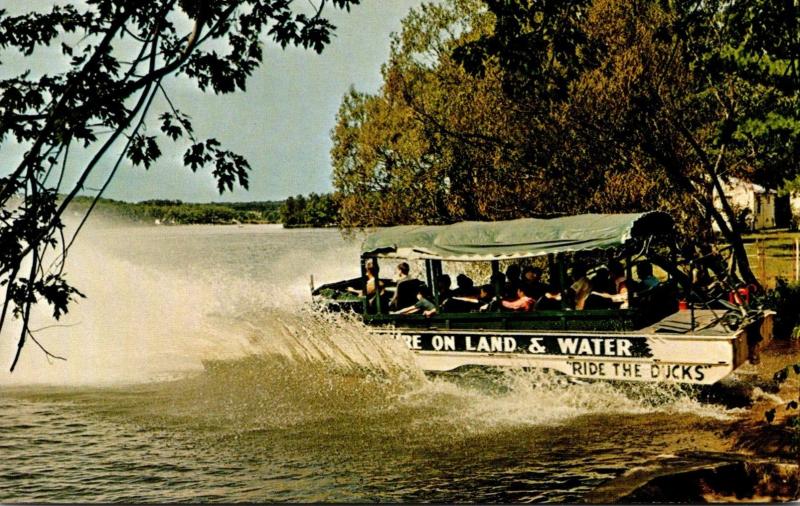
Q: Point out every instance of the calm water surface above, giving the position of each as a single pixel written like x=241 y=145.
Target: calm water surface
x=196 y=372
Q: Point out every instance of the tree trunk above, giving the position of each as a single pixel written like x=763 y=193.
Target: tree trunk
x=734 y=237
x=731 y=232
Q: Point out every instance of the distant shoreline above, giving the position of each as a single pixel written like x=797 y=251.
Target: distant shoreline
x=175 y=212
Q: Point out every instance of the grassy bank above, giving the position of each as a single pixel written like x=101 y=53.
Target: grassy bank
x=778 y=249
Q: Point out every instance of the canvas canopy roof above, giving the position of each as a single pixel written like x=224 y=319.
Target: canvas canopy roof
x=522 y=238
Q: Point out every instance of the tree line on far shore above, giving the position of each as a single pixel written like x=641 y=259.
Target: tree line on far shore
x=313 y=210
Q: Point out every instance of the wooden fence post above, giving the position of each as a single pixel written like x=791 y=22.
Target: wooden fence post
x=797 y=258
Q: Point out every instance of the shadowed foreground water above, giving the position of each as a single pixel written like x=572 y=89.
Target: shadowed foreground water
x=196 y=373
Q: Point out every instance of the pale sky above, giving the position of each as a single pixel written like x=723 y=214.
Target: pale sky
x=281 y=124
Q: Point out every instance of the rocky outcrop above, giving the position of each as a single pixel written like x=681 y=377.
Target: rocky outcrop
x=703 y=477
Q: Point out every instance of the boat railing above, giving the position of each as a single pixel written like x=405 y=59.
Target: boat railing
x=594 y=319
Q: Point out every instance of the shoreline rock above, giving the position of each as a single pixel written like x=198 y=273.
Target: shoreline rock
x=761 y=463
x=703 y=477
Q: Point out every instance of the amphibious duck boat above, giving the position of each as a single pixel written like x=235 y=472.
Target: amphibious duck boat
x=652 y=337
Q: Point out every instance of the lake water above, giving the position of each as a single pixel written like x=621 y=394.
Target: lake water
x=196 y=372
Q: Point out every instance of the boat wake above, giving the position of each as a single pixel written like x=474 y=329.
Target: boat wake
x=226 y=349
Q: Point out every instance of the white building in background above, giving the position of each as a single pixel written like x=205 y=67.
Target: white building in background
x=756 y=201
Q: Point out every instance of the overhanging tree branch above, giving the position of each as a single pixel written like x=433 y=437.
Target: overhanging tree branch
x=47 y=114
x=60 y=107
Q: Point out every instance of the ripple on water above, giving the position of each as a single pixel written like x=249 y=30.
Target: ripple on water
x=318 y=410
x=396 y=451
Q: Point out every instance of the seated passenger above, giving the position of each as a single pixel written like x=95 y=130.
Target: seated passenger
x=372 y=279
x=466 y=287
x=405 y=294
x=482 y=301
x=579 y=290
x=522 y=303
x=486 y=298
x=601 y=284
x=512 y=282
x=532 y=282
x=443 y=287
x=402 y=272
x=601 y=280
x=406 y=287
x=498 y=281
x=618 y=278
x=619 y=295
x=423 y=304
x=551 y=300
x=644 y=271
x=581 y=286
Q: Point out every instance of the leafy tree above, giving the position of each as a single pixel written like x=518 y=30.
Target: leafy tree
x=440 y=144
x=436 y=144
x=495 y=110
x=288 y=211
x=699 y=90
x=314 y=211
x=300 y=202
x=368 y=164
x=116 y=56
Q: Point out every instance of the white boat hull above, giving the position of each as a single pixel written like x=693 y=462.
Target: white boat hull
x=704 y=356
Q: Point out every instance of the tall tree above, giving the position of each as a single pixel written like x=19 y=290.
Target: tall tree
x=435 y=145
x=500 y=109
x=444 y=142
x=698 y=90
x=112 y=78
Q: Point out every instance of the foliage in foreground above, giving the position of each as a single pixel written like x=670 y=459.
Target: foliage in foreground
x=784 y=299
x=792 y=422
x=107 y=98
